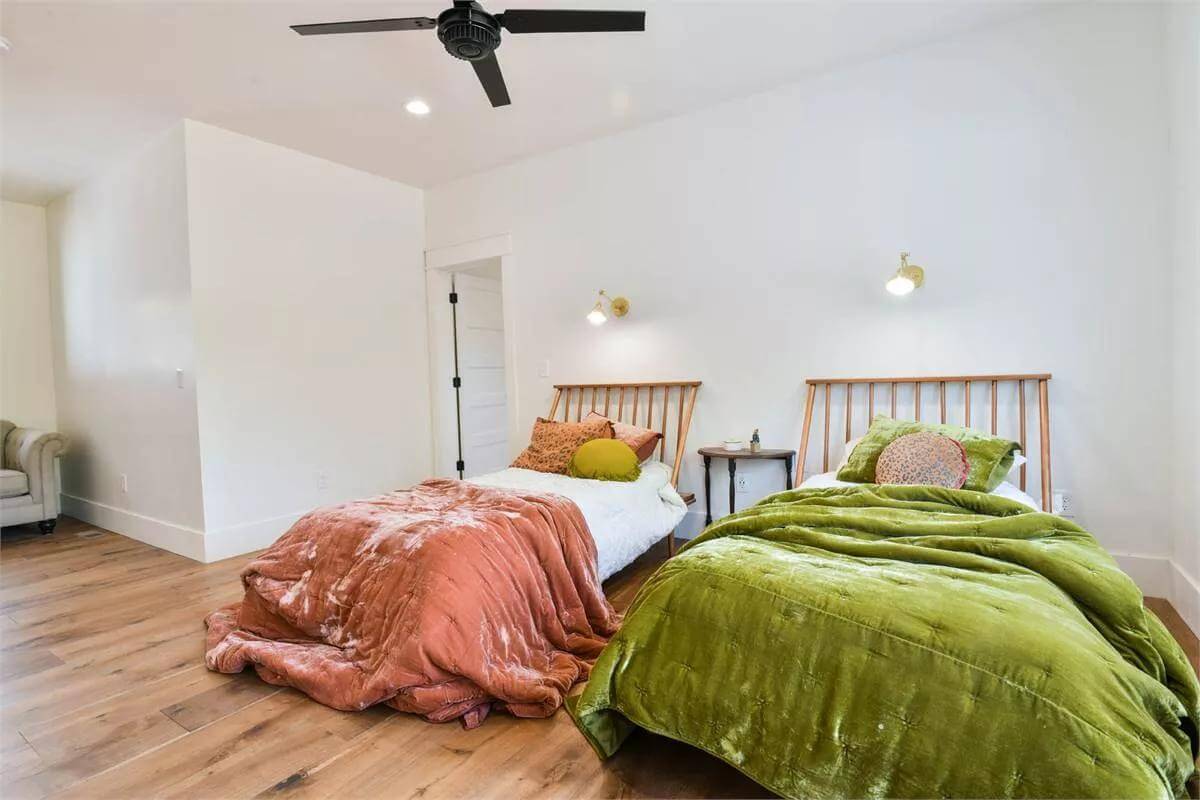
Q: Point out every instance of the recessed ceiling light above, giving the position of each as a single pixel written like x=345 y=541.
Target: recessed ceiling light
x=417 y=106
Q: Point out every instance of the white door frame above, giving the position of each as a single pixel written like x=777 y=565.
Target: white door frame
x=440 y=262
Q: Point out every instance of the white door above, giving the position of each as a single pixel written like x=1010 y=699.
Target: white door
x=482 y=395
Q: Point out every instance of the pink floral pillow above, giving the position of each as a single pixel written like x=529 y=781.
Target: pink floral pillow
x=925 y=458
x=640 y=440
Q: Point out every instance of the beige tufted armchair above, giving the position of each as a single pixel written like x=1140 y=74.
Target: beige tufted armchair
x=28 y=480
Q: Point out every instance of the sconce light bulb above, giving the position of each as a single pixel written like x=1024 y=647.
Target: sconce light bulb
x=900 y=285
x=596 y=316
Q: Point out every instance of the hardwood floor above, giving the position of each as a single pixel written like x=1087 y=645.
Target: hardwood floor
x=104 y=693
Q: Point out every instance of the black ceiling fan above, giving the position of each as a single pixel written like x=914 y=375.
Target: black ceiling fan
x=472 y=34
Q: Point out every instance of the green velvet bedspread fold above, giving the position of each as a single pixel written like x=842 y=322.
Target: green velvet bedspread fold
x=902 y=641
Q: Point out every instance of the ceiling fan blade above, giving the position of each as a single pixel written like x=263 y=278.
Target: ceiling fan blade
x=549 y=21
x=367 y=26
x=488 y=70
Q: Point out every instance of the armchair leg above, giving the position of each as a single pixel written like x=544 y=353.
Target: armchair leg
x=46 y=526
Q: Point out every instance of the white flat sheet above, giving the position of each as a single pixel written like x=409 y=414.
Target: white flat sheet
x=625 y=518
x=829 y=479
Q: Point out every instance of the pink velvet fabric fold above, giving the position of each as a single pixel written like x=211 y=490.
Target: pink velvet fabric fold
x=442 y=600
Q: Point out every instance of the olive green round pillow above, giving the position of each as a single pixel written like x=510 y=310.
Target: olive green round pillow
x=604 y=460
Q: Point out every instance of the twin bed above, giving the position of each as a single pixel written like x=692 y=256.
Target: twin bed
x=832 y=640
x=454 y=598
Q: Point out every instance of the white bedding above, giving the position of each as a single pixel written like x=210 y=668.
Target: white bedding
x=625 y=518
x=829 y=479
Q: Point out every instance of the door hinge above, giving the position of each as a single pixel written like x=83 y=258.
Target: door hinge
x=456 y=382
x=461 y=465
x=453 y=297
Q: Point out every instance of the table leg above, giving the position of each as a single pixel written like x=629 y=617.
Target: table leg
x=732 y=481
x=707 y=492
x=788 y=466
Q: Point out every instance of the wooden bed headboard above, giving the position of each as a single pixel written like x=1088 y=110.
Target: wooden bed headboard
x=646 y=403
x=968 y=383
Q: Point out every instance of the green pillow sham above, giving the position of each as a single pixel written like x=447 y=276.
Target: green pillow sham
x=990 y=457
x=605 y=460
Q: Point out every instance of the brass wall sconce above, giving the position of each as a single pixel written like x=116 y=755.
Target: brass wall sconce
x=907 y=277
x=618 y=306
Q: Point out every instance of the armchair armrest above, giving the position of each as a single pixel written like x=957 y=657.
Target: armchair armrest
x=33 y=452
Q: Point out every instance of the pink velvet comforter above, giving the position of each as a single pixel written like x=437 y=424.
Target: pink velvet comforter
x=443 y=600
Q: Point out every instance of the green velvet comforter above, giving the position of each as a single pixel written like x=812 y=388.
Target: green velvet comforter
x=902 y=642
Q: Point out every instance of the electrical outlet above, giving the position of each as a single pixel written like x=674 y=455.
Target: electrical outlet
x=322 y=481
x=124 y=483
x=179 y=378
x=1063 y=505
x=544 y=369
x=740 y=485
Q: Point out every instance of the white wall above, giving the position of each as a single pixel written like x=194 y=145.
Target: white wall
x=288 y=290
x=1183 y=81
x=1023 y=166
x=121 y=308
x=308 y=288
x=26 y=365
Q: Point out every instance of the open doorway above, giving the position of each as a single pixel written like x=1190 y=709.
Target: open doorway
x=477 y=335
x=470 y=363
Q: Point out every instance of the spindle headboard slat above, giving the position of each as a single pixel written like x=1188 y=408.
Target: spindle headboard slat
x=681 y=395
x=994 y=382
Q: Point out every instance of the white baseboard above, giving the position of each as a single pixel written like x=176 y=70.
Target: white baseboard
x=178 y=539
x=1185 y=596
x=1152 y=574
x=248 y=537
x=690 y=526
x=181 y=540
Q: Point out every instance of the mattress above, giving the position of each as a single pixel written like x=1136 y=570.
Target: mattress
x=625 y=519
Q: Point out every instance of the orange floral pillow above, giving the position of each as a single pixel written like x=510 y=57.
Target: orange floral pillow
x=553 y=443
x=640 y=440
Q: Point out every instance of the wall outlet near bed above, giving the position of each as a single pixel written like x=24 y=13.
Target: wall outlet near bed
x=1063 y=505
x=740 y=485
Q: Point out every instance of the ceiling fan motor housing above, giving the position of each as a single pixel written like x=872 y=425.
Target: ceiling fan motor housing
x=468 y=33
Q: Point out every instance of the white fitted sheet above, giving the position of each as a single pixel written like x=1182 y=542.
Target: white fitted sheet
x=625 y=518
x=829 y=479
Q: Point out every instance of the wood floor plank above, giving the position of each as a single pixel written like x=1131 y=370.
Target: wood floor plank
x=90 y=744
x=41 y=696
x=24 y=662
x=89 y=740
x=404 y=757
x=17 y=759
x=238 y=755
x=229 y=694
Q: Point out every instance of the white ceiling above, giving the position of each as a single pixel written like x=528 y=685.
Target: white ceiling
x=87 y=81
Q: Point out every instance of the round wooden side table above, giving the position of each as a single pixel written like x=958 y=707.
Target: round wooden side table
x=709 y=453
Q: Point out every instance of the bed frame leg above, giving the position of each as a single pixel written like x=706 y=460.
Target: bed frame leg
x=671 y=544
